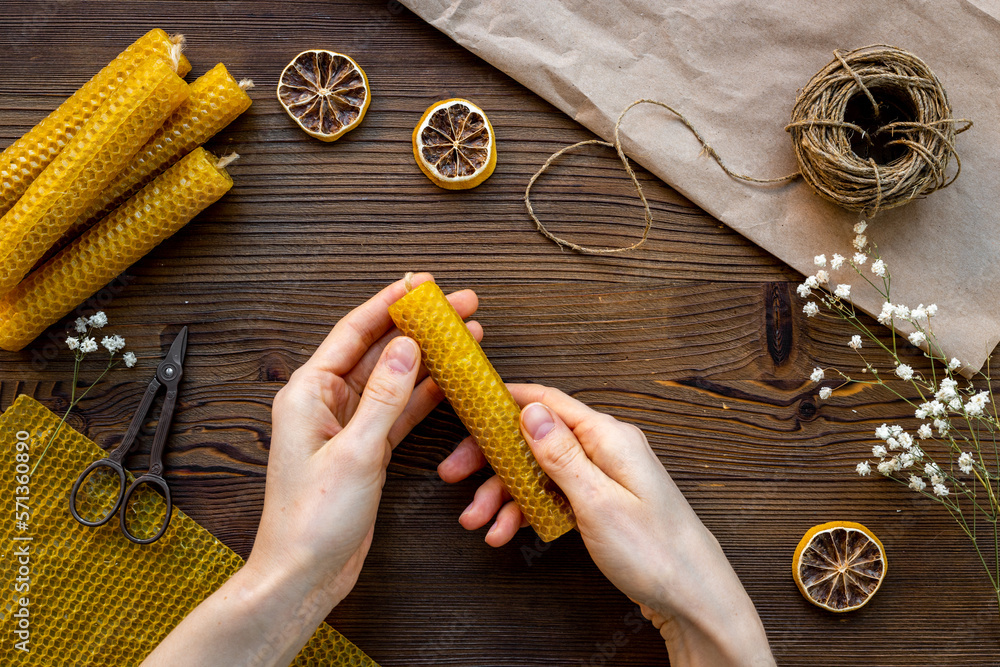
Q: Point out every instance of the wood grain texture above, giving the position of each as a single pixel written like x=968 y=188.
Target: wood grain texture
x=698 y=338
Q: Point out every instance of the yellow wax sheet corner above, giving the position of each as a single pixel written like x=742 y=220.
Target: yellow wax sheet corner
x=87 y=596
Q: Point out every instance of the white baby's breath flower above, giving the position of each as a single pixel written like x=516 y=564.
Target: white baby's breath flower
x=904 y=371
x=917 y=484
x=803 y=290
x=918 y=314
x=893 y=443
x=889 y=466
x=885 y=316
x=855 y=343
x=129 y=359
x=860 y=258
x=932 y=310
x=810 y=309
x=940 y=490
x=878 y=268
x=917 y=338
x=843 y=291
x=917 y=453
x=822 y=277
x=864 y=468
x=88 y=344
x=80 y=325
x=942 y=425
x=811 y=282
x=883 y=432
x=954 y=364
x=905 y=440
x=947 y=390
x=113 y=343
x=72 y=343
x=955 y=404
x=932 y=469
x=965 y=462
x=819 y=260
x=977 y=403
x=98 y=320
x=836 y=261
x=937 y=408
x=879 y=451
x=924 y=431
x=825 y=393
x=901 y=312
x=817 y=375
x=905 y=460
x=896 y=430
x=859 y=242
x=860 y=227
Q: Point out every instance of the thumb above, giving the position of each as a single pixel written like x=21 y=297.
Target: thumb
x=387 y=391
x=559 y=453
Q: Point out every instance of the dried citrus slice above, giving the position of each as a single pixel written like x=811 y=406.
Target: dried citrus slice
x=326 y=93
x=839 y=565
x=454 y=144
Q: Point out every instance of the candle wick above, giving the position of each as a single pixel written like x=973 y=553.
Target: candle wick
x=227 y=160
x=246 y=84
x=408 y=281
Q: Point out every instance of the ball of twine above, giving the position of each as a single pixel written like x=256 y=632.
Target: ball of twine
x=822 y=130
x=822 y=133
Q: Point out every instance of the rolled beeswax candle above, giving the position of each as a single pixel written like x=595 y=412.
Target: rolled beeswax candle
x=111 y=246
x=216 y=99
x=88 y=163
x=481 y=400
x=24 y=160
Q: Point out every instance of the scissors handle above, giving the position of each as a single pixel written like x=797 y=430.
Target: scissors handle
x=162 y=430
x=118 y=455
x=155 y=480
x=99 y=463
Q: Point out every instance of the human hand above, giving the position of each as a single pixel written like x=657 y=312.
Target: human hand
x=636 y=524
x=334 y=426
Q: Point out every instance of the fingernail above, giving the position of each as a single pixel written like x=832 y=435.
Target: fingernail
x=465 y=513
x=402 y=355
x=537 y=420
x=492 y=528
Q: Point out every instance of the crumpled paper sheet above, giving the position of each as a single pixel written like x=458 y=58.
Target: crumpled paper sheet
x=733 y=68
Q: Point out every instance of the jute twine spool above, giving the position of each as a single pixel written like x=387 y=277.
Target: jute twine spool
x=907 y=119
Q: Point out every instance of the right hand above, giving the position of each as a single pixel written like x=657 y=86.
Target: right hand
x=636 y=524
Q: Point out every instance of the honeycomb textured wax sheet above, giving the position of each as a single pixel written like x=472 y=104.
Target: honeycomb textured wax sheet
x=481 y=400
x=110 y=247
x=24 y=160
x=94 y=597
x=88 y=163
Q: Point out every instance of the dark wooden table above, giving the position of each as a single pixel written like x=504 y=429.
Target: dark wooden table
x=698 y=338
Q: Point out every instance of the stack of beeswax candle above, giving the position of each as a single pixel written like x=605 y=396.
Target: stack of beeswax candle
x=135 y=124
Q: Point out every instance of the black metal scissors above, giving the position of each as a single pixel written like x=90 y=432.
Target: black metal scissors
x=168 y=374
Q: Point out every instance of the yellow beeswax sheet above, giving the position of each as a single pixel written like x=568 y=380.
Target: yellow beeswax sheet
x=95 y=598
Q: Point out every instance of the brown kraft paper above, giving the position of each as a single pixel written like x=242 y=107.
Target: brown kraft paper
x=733 y=68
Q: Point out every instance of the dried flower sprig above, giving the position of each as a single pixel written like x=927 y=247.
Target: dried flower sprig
x=82 y=344
x=953 y=458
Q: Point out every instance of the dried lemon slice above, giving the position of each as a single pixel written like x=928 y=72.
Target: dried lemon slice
x=454 y=145
x=839 y=566
x=326 y=93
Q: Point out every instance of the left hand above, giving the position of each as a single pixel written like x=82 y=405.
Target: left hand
x=334 y=427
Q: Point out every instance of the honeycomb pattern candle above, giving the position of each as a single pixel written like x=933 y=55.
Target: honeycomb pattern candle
x=24 y=160
x=215 y=101
x=481 y=399
x=111 y=246
x=88 y=163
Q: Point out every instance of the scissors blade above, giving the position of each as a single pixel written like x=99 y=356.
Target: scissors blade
x=170 y=369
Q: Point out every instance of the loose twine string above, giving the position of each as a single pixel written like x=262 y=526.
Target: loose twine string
x=821 y=139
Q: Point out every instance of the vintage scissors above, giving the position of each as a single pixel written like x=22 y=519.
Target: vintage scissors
x=168 y=374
